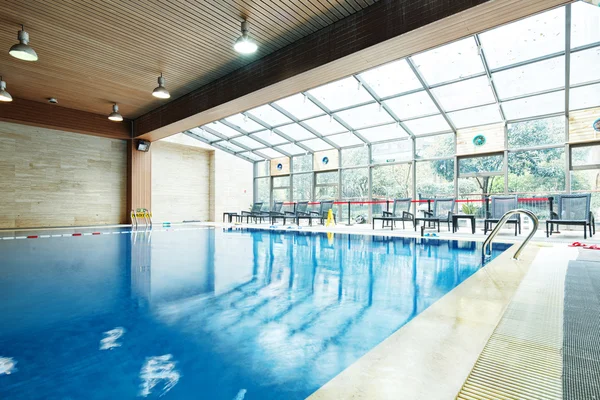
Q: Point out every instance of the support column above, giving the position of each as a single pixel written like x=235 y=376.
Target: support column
x=139 y=178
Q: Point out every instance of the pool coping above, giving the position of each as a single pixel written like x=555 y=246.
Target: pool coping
x=431 y=356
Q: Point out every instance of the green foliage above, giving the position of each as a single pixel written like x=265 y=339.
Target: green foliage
x=470 y=208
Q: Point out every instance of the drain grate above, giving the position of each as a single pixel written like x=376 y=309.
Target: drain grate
x=522 y=359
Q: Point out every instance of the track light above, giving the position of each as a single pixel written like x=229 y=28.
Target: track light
x=160 y=91
x=4 y=95
x=22 y=50
x=115 y=116
x=245 y=45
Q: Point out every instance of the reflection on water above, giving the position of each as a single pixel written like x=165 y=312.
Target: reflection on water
x=277 y=314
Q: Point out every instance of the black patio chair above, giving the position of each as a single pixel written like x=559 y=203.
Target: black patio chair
x=300 y=210
x=275 y=211
x=320 y=215
x=254 y=212
x=443 y=209
x=573 y=209
x=500 y=205
x=400 y=212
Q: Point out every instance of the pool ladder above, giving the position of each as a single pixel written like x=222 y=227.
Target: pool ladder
x=487 y=244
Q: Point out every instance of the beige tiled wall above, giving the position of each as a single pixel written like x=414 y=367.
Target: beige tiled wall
x=55 y=178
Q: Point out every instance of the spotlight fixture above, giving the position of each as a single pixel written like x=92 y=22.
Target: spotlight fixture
x=4 y=95
x=160 y=91
x=115 y=116
x=244 y=44
x=22 y=50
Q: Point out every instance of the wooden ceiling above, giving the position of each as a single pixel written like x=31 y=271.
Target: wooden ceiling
x=93 y=53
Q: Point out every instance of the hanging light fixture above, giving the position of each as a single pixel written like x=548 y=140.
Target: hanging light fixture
x=244 y=44
x=160 y=91
x=115 y=116
x=4 y=95
x=22 y=50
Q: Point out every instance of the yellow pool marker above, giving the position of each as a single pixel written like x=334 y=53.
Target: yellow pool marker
x=330 y=236
x=330 y=220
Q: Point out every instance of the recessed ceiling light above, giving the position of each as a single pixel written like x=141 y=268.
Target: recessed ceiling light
x=22 y=50
x=115 y=116
x=244 y=44
x=4 y=95
x=160 y=91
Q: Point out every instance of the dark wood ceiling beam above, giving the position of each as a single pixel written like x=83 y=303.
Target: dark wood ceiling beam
x=34 y=113
x=385 y=31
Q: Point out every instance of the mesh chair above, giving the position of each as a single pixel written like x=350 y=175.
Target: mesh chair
x=573 y=209
x=323 y=212
x=253 y=213
x=300 y=210
x=501 y=205
x=443 y=208
x=400 y=212
x=275 y=211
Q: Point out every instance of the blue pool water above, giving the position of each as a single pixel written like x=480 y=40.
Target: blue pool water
x=208 y=314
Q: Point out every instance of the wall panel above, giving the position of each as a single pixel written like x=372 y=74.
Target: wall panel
x=580 y=125
x=55 y=178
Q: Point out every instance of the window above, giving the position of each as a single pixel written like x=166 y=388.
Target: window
x=435 y=178
x=423 y=126
x=435 y=146
x=480 y=176
x=341 y=94
x=585 y=157
x=476 y=116
x=326 y=187
x=295 y=131
x=548 y=103
x=355 y=184
x=391 y=152
x=345 y=139
x=536 y=171
x=303 y=163
x=281 y=188
x=584 y=97
x=248 y=142
x=263 y=190
x=263 y=168
x=291 y=148
x=302 y=187
x=412 y=105
x=392 y=78
x=584 y=24
x=469 y=93
x=364 y=116
x=325 y=125
x=538 y=132
x=355 y=156
x=244 y=123
x=585 y=66
x=299 y=106
x=479 y=166
x=531 y=78
x=392 y=181
x=269 y=115
x=384 y=132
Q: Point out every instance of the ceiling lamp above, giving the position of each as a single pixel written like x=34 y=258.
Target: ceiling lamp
x=160 y=91
x=4 y=95
x=22 y=50
x=115 y=116
x=245 y=45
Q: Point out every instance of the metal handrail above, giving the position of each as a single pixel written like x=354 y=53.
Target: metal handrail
x=488 y=241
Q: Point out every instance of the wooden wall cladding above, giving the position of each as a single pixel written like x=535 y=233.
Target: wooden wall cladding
x=580 y=125
x=332 y=157
x=285 y=166
x=494 y=139
x=139 y=178
x=54 y=178
x=43 y=115
x=180 y=182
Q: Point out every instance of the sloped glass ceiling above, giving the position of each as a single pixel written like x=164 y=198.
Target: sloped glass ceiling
x=512 y=72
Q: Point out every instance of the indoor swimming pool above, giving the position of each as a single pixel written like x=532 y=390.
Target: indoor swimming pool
x=209 y=313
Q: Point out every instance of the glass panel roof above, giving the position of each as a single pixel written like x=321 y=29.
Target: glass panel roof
x=475 y=116
x=345 y=139
x=530 y=78
x=244 y=123
x=252 y=156
x=248 y=142
x=392 y=78
x=291 y=148
x=585 y=20
x=526 y=39
x=535 y=105
x=384 y=132
x=585 y=66
x=584 y=97
x=229 y=146
x=469 y=93
x=325 y=125
x=361 y=117
x=340 y=94
x=412 y=105
x=270 y=153
x=269 y=137
x=295 y=131
x=452 y=61
x=299 y=106
x=222 y=129
x=269 y=115
x=317 y=144
x=422 y=126
x=202 y=133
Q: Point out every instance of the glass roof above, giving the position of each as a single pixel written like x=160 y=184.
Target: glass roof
x=392 y=78
x=525 y=60
x=252 y=156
